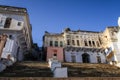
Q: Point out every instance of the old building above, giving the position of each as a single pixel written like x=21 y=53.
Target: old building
x=15 y=32
x=85 y=46
x=53 y=45
x=112 y=44
x=76 y=46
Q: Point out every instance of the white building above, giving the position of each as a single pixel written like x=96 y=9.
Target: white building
x=89 y=46
x=83 y=46
x=14 y=23
x=78 y=46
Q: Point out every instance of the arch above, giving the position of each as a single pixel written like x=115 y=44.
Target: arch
x=86 y=58
x=85 y=42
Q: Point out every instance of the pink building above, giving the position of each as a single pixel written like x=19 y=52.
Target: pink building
x=55 y=52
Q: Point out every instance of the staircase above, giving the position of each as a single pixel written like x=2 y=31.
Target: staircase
x=41 y=69
x=91 y=70
x=27 y=69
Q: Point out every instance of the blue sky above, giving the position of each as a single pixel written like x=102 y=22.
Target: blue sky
x=55 y=15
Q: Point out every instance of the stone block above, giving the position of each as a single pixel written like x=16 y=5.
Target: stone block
x=60 y=72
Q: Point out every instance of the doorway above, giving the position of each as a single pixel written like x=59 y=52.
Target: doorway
x=85 y=58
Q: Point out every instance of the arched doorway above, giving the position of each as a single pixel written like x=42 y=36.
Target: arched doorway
x=85 y=58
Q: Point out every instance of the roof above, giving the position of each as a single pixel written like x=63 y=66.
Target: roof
x=52 y=34
x=69 y=30
x=112 y=26
x=89 y=31
x=4 y=8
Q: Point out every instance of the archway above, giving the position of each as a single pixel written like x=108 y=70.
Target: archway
x=85 y=58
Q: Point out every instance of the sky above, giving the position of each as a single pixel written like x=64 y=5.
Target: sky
x=55 y=15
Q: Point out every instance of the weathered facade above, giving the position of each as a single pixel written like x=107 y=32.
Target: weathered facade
x=78 y=46
x=87 y=46
x=53 y=44
x=83 y=46
x=15 y=31
x=112 y=44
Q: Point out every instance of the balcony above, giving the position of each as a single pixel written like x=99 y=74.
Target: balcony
x=84 y=49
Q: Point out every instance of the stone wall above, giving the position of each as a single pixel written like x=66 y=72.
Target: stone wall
x=71 y=78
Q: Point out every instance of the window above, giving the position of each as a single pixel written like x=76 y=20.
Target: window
x=90 y=43
x=98 y=44
x=10 y=36
x=93 y=43
x=56 y=43
x=54 y=54
x=77 y=36
x=51 y=43
x=7 y=23
x=73 y=42
x=68 y=42
x=85 y=43
x=78 y=43
x=100 y=41
x=112 y=33
x=19 y=24
x=85 y=58
x=98 y=59
x=61 y=44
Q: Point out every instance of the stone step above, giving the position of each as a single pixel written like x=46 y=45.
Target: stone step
x=91 y=70
x=27 y=69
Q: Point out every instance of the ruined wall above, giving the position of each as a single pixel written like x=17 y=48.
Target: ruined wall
x=71 y=78
x=3 y=39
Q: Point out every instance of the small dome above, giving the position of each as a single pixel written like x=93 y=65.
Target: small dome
x=119 y=21
x=67 y=29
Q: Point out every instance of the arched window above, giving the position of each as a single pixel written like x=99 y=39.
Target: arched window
x=85 y=42
x=78 y=43
x=90 y=43
x=100 y=40
x=61 y=44
x=56 y=43
x=8 y=22
x=73 y=42
x=93 y=43
x=68 y=42
x=51 y=43
x=98 y=44
x=86 y=58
